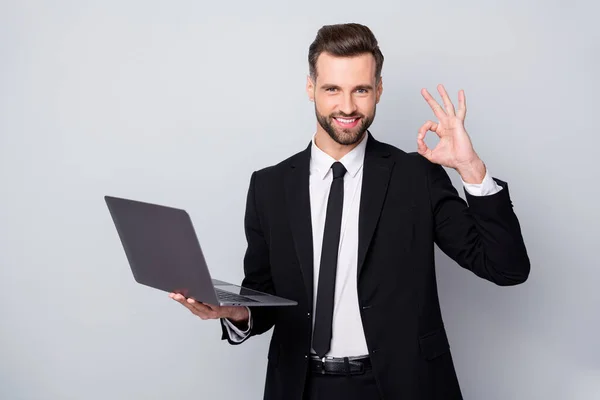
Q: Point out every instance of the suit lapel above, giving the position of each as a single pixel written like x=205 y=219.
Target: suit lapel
x=377 y=169
x=299 y=214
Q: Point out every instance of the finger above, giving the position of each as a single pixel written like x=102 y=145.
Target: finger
x=202 y=308
x=428 y=126
x=177 y=297
x=437 y=109
x=423 y=149
x=195 y=307
x=462 y=105
x=182 y=300
x=447 y=102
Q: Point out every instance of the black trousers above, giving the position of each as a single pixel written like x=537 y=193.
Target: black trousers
x=350 y=387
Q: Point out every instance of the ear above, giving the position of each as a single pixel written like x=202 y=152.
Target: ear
x=310 y=88
x=379 y=89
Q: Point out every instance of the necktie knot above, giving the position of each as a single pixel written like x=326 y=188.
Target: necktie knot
x=338 y=170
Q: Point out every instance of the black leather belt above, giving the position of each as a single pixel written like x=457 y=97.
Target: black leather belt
x=340 y=366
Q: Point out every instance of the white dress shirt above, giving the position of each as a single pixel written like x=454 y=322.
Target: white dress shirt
x=348 y=337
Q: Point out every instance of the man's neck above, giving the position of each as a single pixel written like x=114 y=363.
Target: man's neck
x=329 y=146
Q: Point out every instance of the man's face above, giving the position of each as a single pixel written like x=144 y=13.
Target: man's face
x=345 y=93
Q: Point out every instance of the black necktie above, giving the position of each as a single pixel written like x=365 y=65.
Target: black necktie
x=329 y=257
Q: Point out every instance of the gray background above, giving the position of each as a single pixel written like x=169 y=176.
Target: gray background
x=178 y=102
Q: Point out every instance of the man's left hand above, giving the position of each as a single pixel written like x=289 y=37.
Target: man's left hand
x=454 y=149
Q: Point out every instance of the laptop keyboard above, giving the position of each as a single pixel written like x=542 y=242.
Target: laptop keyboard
x=232 y=297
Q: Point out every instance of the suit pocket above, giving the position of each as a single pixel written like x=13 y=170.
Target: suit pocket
x=434 y=344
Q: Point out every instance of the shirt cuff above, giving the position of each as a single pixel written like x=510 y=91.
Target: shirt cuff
x=235 y=333
x=485 y=188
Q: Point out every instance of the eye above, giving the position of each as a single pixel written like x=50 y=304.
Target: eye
x=362 y=91
x=330 y=89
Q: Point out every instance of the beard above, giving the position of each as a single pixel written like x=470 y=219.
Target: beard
x=345 y=136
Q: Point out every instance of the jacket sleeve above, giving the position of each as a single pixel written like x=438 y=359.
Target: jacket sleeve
x=481 y=234
x=235 y=334
x=257 y=269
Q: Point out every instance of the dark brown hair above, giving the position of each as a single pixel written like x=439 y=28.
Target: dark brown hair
x=344 y=40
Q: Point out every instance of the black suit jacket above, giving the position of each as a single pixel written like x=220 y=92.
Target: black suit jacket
x=407 y=205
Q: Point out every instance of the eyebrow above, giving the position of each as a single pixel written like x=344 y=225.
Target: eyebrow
x=331 y=86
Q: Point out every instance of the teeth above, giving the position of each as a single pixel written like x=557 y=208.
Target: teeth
x=346 y=121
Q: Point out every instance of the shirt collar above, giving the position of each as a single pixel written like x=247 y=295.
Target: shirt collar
x=321 y=162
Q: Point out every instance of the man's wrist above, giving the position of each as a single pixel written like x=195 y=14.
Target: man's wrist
x=472 y=172
x=239 y=316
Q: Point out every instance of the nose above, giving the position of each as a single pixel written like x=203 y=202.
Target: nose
x=348 y=106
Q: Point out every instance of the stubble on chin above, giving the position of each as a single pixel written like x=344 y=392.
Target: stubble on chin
x=342 y=136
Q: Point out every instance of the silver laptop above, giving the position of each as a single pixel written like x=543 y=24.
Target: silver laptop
x=164 y=253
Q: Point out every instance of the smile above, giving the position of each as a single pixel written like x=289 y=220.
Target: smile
x=347 y=122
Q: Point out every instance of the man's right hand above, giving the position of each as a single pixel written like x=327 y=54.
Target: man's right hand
x=238 y=315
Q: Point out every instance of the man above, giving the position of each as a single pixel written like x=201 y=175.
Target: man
x=347 y=229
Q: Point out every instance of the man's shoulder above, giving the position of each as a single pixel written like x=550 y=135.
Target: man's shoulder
x=279 y=168
x=273 y=177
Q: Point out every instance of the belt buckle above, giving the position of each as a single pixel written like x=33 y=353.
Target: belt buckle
x=354 y=366
x=361 y=368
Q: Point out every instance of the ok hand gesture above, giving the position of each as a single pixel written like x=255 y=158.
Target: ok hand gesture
x=454 y=149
